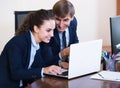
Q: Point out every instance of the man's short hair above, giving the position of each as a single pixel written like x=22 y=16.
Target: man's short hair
x=63 y=8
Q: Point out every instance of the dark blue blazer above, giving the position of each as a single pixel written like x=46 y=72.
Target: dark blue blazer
x=55 y=41
x=14 y=61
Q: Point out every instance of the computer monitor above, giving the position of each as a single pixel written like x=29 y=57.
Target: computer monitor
x=19 y=17
x=115 y=34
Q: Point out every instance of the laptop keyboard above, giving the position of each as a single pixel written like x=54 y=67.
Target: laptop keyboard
x=65 y=73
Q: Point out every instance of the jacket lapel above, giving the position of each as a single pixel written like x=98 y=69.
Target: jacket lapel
x=57 y=39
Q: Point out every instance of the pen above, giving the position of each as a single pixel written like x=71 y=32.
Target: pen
x=117 y=79
x=100 y=75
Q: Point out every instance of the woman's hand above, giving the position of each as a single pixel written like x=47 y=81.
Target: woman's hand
x=53 y=70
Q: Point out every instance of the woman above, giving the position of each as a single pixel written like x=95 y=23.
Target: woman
x=21 y=60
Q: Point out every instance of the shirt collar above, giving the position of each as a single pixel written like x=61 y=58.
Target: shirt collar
x=66 y=30
x=33 y=42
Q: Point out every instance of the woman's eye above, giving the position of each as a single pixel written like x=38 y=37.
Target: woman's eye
x=48 y=30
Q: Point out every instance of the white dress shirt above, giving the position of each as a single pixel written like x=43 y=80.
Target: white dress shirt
x=67 y=38
x=34 y=48
x=67 y=42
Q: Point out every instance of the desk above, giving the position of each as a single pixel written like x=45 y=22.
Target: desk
x=106 y=48
x=81 y=82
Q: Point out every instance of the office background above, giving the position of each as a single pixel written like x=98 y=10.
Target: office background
x=92 y=15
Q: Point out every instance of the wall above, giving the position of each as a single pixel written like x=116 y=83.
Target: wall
x=93 y=17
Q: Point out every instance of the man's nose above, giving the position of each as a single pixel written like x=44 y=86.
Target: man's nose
x=61 y=23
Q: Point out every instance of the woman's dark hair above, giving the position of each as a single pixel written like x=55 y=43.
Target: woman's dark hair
x=62 y=8
x=34 y=18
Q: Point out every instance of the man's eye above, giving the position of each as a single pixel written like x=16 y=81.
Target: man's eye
x=57 y=19
x=66 y=20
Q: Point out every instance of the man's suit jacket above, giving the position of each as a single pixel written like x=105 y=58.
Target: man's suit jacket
x=14 y=61
x=55 y=41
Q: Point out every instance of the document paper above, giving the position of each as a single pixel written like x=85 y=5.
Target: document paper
x=107 y=75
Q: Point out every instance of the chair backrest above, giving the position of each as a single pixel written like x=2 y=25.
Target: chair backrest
x=19 y=16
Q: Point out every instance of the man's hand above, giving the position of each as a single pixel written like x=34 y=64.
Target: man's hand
x=64 y=65
x=65 y=53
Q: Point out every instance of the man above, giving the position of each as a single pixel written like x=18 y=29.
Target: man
x=63 y=11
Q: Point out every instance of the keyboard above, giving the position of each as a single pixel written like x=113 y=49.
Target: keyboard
x=65 y=73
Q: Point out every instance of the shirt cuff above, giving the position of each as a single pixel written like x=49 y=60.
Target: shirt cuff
x=60 y=56
x=60 y=60
x=42 y=75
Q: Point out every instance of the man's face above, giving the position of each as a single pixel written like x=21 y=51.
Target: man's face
x=63 y=23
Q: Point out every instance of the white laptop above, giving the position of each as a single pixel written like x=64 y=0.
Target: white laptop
x=85 y=58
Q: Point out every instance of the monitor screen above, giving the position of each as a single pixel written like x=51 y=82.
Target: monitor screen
x=19 y=17
x=115 y=34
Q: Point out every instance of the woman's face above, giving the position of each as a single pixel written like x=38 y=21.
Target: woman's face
x=44 y=32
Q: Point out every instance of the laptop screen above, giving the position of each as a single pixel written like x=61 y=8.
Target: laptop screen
x=85 y=58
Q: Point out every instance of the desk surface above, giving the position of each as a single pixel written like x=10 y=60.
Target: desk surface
x=106 y=48
x=81 y=82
